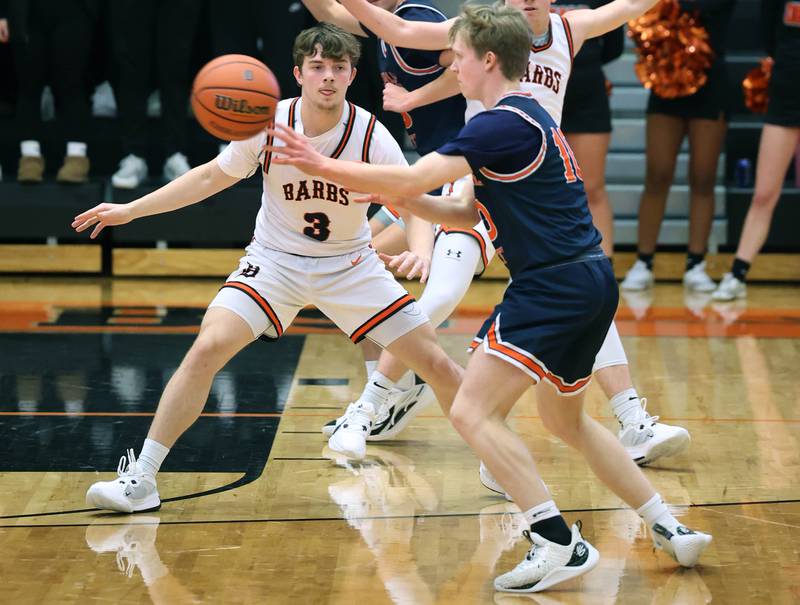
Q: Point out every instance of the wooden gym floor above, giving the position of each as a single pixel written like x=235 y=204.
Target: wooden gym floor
x=256 y=510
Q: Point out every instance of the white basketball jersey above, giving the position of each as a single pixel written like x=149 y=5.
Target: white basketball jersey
x=310 y=215
x=549 y=67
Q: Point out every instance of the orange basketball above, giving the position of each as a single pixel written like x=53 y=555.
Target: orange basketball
x=234 y=97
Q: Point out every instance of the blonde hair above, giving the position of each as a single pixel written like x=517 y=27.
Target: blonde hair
x=500 y=29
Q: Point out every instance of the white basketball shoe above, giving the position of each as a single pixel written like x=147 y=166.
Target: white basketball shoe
x=646 y=440
x=683 y=544
x=548 y=563
x=638 y=277
x=350 y=434
x=395 y=415
x=490 y=483
x=131 y=492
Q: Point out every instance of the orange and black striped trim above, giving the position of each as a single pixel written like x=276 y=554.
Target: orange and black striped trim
x=270 y=138
x=348 y=130
x=528 y=363
x=260 y=301
x=380 y=317
x=568 y=31
x=290 y=120
x=368 y=140
x=473 y=233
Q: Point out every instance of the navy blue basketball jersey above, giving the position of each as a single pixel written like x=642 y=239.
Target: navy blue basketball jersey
x=432 y=125
x=528 y=183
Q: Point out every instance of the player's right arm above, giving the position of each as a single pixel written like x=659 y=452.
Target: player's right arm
x=330 y=11
x=194 y=186
x=397 y=31
x=396 y=98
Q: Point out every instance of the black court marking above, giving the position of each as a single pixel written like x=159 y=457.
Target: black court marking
x=322 y=381
x=368 y=518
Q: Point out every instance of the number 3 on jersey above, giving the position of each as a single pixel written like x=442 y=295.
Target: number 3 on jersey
x=572 y=172
x=319 y=226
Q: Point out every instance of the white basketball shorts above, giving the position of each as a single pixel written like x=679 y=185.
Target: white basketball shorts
x=354 y=290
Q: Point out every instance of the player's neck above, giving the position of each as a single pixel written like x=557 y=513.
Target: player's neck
x=319 y=120
x=539 y=24
x=496 y=89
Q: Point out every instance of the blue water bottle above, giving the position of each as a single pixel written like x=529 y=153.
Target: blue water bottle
x=744 y=173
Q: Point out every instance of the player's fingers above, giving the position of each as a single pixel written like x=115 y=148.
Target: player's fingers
x=426 y=269
x=86 y=224
x=397 y=260
x=367 y=199
x=97 y=230
x=84 y=215
x=409 y=262
x=386 y=258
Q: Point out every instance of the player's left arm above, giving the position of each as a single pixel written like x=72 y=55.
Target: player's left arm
x=592 y=22
x=428 y=173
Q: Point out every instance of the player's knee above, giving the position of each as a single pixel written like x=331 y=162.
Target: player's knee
x=765 y=199
x=466 y=416
x=565 y=427
x=658 y=180
x=207 y=354
x=438 y=307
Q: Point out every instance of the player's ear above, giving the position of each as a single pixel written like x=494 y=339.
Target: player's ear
x=489 y=60
x=298 y=75
x=353 y=73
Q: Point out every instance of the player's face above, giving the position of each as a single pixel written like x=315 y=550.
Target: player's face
x=324 y=80
x=469 y=68
x=533 y=9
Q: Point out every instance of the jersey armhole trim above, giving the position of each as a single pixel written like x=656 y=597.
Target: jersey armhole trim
x=348 y=130
x=368 y=140
x=513 y=177
x=568 y=31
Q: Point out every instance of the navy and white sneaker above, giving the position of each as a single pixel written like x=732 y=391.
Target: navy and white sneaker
x=682 y=544
x=549 y=563
x=399 y=410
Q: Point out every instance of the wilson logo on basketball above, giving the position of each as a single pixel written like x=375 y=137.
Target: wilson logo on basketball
x=240 y=106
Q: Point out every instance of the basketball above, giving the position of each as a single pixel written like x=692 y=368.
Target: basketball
x=234 y=97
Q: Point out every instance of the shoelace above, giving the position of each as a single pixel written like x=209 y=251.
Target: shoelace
x=127 y=466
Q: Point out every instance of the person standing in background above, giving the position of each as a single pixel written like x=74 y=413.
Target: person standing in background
x=780 y=23
x=704 y=117
x=586 y=120
x=50 y=42
x=148 y=35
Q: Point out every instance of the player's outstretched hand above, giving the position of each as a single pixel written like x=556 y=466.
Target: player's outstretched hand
x=103 y=215
x=408 y=265
x=296 y=151
x=396 y=98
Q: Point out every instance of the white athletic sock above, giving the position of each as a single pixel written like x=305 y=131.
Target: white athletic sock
x=152 y=456
x=406 y=381
x=76 y=148
x=654 y=511
x=376 y=391
x=540 y=512
x=31 y=149
x=371 y=365
x=627 y=407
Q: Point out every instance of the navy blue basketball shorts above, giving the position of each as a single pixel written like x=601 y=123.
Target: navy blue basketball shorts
x=553 y=321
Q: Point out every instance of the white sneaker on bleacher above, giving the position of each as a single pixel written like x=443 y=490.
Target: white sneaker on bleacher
x=175 y=166
x=697 y=280
x=131 y=492
x=729 y=289
x=131 y=172
x=638 y=277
